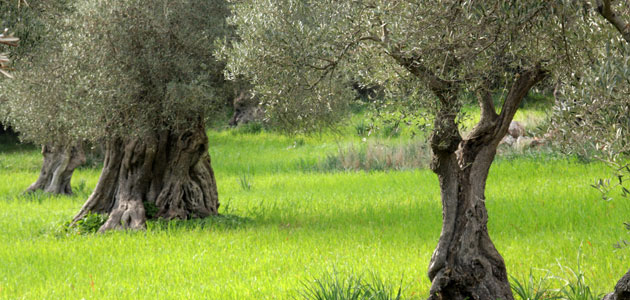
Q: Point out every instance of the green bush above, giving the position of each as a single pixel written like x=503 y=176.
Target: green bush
x=88 y=225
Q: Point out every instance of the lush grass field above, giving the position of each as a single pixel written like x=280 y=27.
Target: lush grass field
x=283 y=226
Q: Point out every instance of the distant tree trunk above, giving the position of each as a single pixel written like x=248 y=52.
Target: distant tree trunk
x=622 y=289
x=466 y=264
x=246 y=109
x=165 y=175
x=57 y=168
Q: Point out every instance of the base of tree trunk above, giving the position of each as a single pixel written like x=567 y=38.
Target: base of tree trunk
x=166 y=175
x=57 y=168
x=622 y=289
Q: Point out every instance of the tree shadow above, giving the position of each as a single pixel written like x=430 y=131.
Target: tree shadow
x=220 y=222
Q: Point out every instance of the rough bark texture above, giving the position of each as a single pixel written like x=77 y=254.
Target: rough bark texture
x=57 y=168
x=622 y=289
x=166 y=175
x=466 y=264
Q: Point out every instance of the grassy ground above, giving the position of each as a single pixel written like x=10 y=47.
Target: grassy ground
x=284 y=226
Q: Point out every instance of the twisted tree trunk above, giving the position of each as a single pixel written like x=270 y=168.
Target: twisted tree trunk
x=622 y=289
x=164 y=175
x=57 y=168
x=466 y=264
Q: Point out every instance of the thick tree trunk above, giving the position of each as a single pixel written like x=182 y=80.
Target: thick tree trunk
x=466 y=264
x=165 y=175
x=622 y=289
x=57 y=168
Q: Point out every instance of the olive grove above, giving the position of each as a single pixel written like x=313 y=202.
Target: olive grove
x=301 y=54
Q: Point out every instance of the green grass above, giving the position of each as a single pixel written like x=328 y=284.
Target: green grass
x=290 y=226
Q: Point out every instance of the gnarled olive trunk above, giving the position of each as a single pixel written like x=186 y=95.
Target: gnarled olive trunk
x=466 y=264
x=622 y=289
x=57 y=168
x=163 y=175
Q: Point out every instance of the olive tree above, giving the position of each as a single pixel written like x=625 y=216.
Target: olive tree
x=139 y=78
x=31 y=105
x=300 y=54
x=592 y=109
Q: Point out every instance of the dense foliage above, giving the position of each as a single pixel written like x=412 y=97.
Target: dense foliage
x=120 y=68
x=302 y=54
x=593 y=111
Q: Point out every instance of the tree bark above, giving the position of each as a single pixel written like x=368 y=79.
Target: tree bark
x=164 y=175
x=57 y=168
x=622 y=289
x=466 y=264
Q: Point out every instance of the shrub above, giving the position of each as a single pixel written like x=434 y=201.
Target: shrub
x=88 y=225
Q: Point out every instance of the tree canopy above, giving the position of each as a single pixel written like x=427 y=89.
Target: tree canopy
x=593 y=111
x=302 y=54
x=120 y=68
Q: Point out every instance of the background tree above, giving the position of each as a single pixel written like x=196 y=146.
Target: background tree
x=298 y=52
x=41 y=23
x=140 y=78
x=593 y=107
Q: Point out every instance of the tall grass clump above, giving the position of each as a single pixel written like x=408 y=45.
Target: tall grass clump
x=532 y=288
x=575 y=286
x=337 y=287
x=376 y=156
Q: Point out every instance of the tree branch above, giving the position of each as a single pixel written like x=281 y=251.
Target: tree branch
x=9 y=40
x=522 y=84
x=333 y=63
x=488 y=111
x=604 y=8
x=440 y=87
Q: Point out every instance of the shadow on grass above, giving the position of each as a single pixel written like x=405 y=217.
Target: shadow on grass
x=219 y=222
x=10 y=143
x=92 y=222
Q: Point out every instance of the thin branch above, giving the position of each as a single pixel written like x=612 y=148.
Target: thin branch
x=522 y=84
x=332 y=64
x=440 y=87
x=9 y=40
x=605 y=10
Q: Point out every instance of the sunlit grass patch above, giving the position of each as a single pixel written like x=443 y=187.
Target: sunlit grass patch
x=281 y=226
